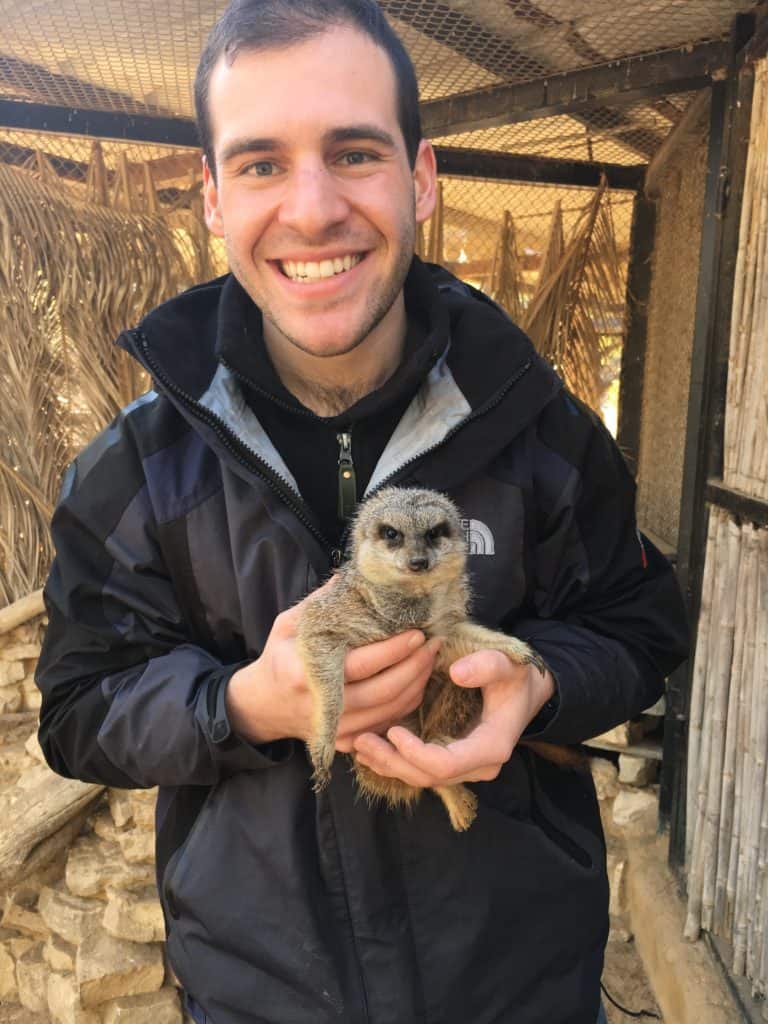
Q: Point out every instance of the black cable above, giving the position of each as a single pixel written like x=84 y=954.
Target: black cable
x=629 y=1013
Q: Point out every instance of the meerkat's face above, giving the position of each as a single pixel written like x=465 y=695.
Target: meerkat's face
x=409 y=538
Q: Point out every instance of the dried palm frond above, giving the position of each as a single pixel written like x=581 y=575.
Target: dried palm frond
x=73 y=274
x=506 y=285
x=574 y=317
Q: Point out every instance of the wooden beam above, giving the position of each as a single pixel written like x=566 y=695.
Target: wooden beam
x=738 y=503
x=497 y=166
x=103 y=124
x=578 y=92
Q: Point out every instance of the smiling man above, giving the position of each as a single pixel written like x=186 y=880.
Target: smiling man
x=329 y=362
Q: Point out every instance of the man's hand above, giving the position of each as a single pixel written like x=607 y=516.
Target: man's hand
x=270 y=700
x=512 y=696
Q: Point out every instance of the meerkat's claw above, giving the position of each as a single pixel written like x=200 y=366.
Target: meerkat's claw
x=320 y=779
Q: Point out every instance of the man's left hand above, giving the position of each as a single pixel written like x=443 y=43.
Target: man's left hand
x=512 y=696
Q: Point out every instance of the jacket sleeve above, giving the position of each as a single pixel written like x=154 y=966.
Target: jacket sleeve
x=130 y=696
x=606 y=612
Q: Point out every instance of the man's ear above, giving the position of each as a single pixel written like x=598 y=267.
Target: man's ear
x=211 y=202
x=425 y=181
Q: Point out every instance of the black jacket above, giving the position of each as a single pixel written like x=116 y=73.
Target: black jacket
x=179 y=538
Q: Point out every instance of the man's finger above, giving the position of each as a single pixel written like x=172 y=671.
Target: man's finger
x=384 y=759
x=459 y=759
x=367 y=661
x=482 y=668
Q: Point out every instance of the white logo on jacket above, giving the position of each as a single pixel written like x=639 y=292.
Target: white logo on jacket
x=479 y=537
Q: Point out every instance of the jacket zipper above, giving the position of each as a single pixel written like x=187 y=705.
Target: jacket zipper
x=346 y=476
x=242 y=452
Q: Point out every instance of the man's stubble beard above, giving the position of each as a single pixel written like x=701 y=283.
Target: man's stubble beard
x=375 y=312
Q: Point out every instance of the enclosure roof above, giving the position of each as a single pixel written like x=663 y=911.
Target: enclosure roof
x=139 y=57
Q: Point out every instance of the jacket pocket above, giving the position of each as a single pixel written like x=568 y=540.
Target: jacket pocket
x=177 y=859
x=564 y=808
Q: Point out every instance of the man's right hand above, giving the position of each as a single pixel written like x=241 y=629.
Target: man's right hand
x=384 y=682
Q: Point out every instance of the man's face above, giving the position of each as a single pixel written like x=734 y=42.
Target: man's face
x=315 y=197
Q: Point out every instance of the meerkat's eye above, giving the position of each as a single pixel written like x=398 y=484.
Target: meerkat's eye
x=441 y=530
x=390 y=533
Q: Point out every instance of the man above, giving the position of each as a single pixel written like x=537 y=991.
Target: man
x=330 y=362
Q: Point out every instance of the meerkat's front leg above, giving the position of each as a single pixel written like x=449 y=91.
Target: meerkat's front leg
x=468 y=637
x=323 y=658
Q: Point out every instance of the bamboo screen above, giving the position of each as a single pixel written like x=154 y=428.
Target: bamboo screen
x=727 y=804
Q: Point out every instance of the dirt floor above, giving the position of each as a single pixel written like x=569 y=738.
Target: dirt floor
x=624 y=975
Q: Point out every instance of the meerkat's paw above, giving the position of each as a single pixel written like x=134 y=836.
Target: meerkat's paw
x=461 y=804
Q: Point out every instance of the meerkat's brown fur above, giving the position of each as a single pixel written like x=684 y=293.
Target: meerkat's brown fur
x=407 y=570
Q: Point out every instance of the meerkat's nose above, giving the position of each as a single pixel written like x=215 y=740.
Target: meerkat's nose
x=418 y=563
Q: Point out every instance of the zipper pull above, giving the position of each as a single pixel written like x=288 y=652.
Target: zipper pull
x=347 y=481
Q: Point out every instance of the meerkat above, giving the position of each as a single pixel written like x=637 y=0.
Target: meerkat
x=407 y=570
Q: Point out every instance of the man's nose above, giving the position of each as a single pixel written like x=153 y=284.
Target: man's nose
x=313 y=202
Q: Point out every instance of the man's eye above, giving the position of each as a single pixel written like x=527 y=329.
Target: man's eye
x=259 y=169
x=356 y=158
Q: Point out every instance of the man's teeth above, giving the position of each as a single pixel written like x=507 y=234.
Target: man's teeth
x=304 y=271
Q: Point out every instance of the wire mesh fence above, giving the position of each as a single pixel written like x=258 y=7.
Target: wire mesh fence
x=139 y=56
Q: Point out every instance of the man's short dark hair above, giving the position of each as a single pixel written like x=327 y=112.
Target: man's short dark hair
x=267 y=24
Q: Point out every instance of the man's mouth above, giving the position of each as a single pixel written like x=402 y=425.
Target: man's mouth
x=299 y=270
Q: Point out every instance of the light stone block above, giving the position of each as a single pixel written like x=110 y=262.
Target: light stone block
x=163 y=1007
x=19 y=947
x=21 y=652
x=617 y=878
x=138 y=845
x=636 y=812
x=144 y=801
x=92 y=865
x=104 y=826
x=58 y=954
x=120 y=806
x=107 y=968
x=136 y=917
x=10 y=700
x=71 y=917
x=31 y=698
x=33 y=748
x=20 y=915
x=11 y=672
x=605 y=777
x=31 y=975
x=637 y=771
x=64 y=1001
x=8 y=986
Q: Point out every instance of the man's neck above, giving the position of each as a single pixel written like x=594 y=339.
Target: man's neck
x=328 y=385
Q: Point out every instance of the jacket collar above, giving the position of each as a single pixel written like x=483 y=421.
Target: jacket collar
x=478 y=368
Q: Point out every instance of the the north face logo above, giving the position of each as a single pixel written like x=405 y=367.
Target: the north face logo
x=479 y=537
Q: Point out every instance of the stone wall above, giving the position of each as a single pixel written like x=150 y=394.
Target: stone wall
x=81 y=938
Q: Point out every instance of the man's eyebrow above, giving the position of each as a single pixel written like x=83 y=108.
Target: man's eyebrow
x=354 y=132
x=239 y=146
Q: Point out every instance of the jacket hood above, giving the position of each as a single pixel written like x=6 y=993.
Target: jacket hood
x=484 y=371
